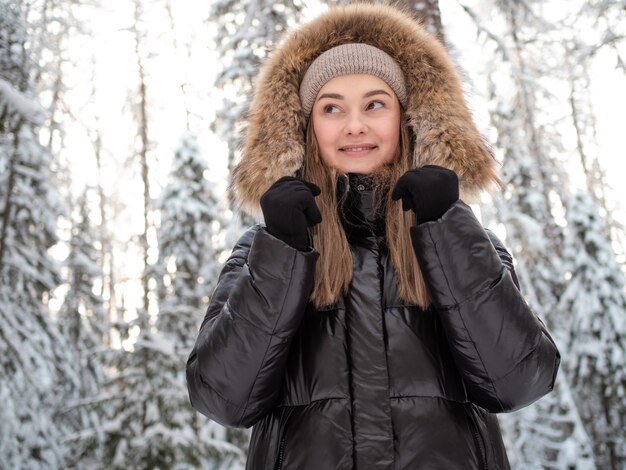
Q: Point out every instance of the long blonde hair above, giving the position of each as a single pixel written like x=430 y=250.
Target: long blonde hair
x=334 y=266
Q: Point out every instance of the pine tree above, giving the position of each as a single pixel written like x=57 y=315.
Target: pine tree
x=147 y=425
x=83 y=263
x=537 y=96
x=192 y=221
x=191 y=241
x=427 y=11
x=149 y=422
x=35 y=366
x=82 y=321
x=596 y=302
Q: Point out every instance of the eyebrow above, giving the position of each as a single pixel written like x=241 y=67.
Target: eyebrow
x=336 y=96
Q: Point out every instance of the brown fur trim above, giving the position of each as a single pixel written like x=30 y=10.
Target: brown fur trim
x=444 y=132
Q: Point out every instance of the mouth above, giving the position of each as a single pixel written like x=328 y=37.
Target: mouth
x=356 y=149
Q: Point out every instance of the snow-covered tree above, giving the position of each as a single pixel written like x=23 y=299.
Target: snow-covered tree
x=245 y=32
x=549 y=434
x=83 y=322
x=147 y=424
x=83 y=318
x=596 y=302
x=35 y=365
x=190 y=241
x=580 y=53
x=535 y=113
x=427 y=11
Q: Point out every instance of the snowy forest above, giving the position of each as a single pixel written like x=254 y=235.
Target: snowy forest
x=119 y=123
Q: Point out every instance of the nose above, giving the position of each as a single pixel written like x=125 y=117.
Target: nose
x=355 y=124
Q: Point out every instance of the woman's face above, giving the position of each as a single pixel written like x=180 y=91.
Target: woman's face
x=356 y=122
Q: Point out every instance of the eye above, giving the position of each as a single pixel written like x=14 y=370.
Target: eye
x=330 y=108
x=376 y=105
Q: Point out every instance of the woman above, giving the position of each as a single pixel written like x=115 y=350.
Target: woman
x=372 y=323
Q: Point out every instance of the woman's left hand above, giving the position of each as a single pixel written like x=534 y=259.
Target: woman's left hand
x=429 y=191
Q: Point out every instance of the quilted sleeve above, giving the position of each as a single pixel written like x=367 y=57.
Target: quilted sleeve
x=504 y=352
x=235 y=369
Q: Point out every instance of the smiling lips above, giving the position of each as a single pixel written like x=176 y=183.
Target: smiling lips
x=357 y=149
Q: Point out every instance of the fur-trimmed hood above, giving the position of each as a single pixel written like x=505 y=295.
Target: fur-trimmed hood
x=441 y=125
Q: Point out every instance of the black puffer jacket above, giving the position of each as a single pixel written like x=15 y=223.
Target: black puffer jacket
x=371 y=383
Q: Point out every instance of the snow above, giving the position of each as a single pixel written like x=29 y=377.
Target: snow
x=20 y=104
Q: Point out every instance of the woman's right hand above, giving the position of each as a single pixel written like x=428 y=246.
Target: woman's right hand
x=289 y=210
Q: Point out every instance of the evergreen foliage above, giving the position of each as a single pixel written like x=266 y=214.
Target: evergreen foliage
x=595 y=301
x=190 y=241
x=83 y=323
x=36 y=367
x=245 y=32
x=147 y=421
x=192 y=218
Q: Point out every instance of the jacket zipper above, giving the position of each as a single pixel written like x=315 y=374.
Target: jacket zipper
x=477 y=439
x=281 y=451
x=283 y=441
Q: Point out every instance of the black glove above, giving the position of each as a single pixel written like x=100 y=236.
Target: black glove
x=429 y=191
x=289 y=210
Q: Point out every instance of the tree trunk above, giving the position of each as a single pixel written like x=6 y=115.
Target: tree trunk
x=56 y=96
x=182 y=73
x=143 y=154
x=583 y=120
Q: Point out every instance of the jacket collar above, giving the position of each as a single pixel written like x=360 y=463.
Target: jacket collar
x=359 y=207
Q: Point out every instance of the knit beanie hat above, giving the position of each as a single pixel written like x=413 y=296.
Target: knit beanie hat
x=353 y=58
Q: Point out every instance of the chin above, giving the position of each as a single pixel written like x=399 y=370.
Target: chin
x=363 y=169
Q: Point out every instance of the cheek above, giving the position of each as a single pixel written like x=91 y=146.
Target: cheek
x=392 y=137
x=325 y=136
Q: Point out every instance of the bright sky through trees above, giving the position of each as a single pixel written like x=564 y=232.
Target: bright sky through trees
x=114 y=79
